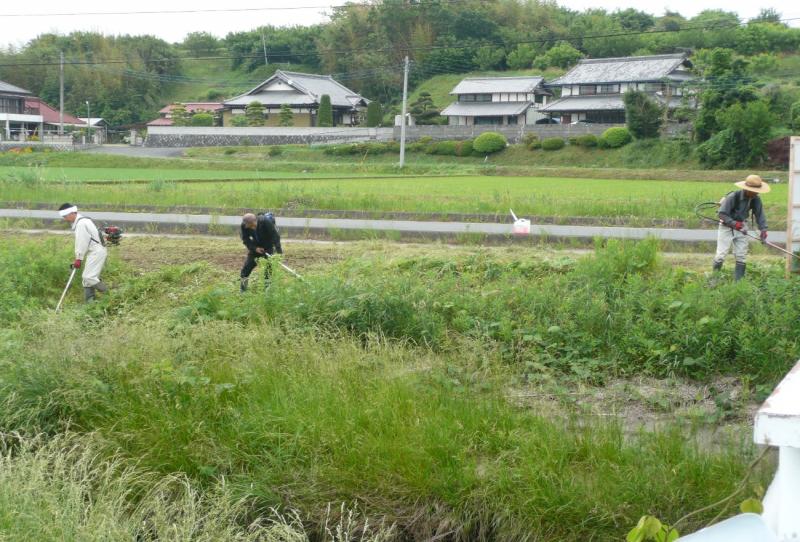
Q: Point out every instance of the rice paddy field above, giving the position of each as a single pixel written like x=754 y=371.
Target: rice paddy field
x=635 y=200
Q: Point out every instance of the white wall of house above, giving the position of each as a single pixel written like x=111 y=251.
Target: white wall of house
x=279 y=85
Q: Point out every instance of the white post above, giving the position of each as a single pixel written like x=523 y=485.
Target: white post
x=793 y=214
x=778 y=424
x=403 y=117
x=61 y=96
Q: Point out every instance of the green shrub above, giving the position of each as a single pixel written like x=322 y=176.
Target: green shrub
x=617 y=137
x=444 y=148
x=535 y=144
x=239 y=121
x=275 y=150
x=464 y=148
x=529 y=138
x=553 y=144
x=573 y=140
x=230 y=151
x=795 y=115
x=602 y=143
x=202 y=119
x=489 y=142
x=587 y=140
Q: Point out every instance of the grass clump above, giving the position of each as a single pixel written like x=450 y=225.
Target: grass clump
x=553 y=144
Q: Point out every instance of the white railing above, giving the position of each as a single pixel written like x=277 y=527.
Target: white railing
x=777 y=424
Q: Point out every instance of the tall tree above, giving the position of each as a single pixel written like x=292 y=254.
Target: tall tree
x=424 y=110
x=325 y=114
x=642 y=114
x=180 y=116
x=374 y=114
x=286 y=116
x=254 y=111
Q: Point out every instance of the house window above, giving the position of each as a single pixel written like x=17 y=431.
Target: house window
x=609 y=89
x=539 y=98
x=606 y=117
x=474 y=97
x=511 y=119
x=587 y=90
x=10 y=105
x=488 y=120
x=651 y=87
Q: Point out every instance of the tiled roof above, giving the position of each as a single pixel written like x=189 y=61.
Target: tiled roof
x=8 y=88
x=49 y=114
x=486 y=85
x=616 y=70
x=194 y=106
x=310 y=88
x=160 y=121
x=485 y=109
x=612 y=102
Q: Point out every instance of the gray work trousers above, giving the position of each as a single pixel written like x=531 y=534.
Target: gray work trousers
x=727 y=238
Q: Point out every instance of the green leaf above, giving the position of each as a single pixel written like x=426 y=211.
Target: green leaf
x=666 y=535
x=651 y=527
x=751 y=506
x=675 y=304
x=554 y=329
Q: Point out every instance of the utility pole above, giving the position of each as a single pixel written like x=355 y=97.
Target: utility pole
x=403 y=117
x=264 y=44
x=88 y=123
x=61 y=96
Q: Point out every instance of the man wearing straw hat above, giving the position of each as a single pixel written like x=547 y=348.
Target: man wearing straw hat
x=90 y=250
x=733 y=214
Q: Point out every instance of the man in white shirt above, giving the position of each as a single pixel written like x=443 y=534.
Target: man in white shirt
x=90 y=250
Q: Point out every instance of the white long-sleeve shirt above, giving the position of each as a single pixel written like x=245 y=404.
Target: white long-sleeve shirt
x=87 y=238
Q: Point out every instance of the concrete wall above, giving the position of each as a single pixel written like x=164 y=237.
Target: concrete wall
x=514 y=134
x=173 y=136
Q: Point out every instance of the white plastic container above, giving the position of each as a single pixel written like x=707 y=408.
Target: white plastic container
x=741 y=528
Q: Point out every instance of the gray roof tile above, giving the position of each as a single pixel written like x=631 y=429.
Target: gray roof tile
x=484 y=109
x=8 y=88
x=310 y=88
x=616 y=70
x=486 y=85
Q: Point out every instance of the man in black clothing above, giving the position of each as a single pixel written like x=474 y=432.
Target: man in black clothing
x=733 y=215
x=261 y=237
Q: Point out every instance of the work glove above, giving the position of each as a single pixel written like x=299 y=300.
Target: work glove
x=76 y=264
x=763 y=236
x=740 y=226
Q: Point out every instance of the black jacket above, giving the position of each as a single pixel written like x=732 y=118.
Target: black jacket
x=737 y=206
x=265 y=236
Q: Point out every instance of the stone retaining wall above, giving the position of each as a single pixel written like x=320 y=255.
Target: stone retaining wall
x=514 y=134
x=174 y=136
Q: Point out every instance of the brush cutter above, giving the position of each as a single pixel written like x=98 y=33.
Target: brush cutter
x=708 y=205
x=64 y=294
x=289 y=269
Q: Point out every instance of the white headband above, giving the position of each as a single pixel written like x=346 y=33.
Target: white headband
x=68 y=211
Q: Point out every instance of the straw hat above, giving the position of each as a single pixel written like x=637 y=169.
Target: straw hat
x=754 y=183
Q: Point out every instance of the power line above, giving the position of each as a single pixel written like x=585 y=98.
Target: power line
x=217 y=10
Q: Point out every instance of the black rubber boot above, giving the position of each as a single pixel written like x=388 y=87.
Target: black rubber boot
x=88 y=294
x=739 y=271
x=716 y=266
x=243 y=284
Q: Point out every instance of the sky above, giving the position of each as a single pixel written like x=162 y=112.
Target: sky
x=22 y=27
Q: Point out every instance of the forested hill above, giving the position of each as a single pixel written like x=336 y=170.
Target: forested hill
x=128 y=78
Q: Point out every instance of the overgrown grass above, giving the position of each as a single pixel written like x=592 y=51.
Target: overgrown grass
x=65 y=489
x=384 y=383
x=528 y=196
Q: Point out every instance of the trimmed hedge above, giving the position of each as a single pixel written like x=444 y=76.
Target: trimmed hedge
x=553 y=144
x=464 y=148
x=587 y=140
x=489 y=142
x=617 y=137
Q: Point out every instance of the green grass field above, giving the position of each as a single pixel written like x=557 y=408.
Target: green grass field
x=534 y=196
x=433 y=390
